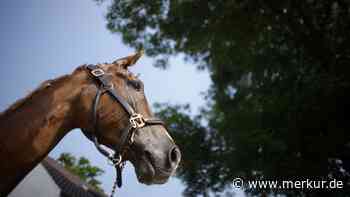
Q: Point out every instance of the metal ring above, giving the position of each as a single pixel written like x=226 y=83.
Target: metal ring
x=97 y=72
x=113 y=161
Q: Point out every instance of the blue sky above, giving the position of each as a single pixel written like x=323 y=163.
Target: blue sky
x=42 y=40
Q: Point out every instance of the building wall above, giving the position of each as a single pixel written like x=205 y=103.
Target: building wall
x=37 y=183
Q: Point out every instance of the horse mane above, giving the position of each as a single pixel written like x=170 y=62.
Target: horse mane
x=42 y=87
x=54 y=82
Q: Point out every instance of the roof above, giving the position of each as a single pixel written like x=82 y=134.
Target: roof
x=70 y=184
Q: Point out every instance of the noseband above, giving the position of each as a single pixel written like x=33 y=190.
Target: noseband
x=136 y=121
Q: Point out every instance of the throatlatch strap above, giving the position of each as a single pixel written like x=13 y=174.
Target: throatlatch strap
x=95 y=122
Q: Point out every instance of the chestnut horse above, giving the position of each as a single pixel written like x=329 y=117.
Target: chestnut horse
x=34 y=125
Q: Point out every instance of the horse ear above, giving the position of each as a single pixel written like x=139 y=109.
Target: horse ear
x=130 y=60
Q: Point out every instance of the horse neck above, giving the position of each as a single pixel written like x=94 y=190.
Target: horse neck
x=33 y=126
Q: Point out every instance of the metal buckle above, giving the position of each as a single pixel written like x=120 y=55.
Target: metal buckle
x=137 y=121
x=115 y=161
x=97 y=72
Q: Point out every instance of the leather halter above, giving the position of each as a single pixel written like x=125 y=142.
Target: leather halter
x=136 y=121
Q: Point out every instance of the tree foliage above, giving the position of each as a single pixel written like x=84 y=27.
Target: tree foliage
x=278 y=104
x=81 y=167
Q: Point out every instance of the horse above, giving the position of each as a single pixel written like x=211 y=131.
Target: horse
x=107 y=102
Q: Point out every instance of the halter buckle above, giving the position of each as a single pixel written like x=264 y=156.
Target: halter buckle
x=115 y=161
x=97 y=72
x=137 y=121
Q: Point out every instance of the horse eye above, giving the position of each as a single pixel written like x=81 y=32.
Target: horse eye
x=136 y=84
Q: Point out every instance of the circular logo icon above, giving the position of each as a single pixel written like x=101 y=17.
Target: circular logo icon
x=237 y=183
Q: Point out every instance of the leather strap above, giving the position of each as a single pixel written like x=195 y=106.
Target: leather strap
x=107 y=85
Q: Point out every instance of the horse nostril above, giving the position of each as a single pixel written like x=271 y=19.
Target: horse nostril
x=174 y=155
x=148 y=155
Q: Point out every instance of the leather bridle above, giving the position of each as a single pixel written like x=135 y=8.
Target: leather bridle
x=136 y=121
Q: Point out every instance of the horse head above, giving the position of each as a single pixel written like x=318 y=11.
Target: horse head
x=116 y=113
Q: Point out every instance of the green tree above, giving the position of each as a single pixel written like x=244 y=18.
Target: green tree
x=281 y=79
x=82 y=168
